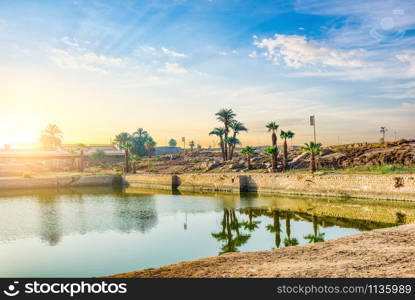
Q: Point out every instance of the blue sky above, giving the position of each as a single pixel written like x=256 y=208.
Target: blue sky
x=96 y=68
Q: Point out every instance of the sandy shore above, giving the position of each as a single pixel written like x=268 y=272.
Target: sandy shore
x=380 y=253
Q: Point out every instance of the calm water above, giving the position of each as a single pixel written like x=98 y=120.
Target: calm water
x=96 y=232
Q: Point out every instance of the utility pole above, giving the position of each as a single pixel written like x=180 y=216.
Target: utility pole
x=313 y=123
x=184 y=143
x=383 y=130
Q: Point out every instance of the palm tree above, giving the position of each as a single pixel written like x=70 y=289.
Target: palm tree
x=121 y=138
x=237 y=127
x=271 y=151
x=220 y=132
x=134 y=160
x=51 y=137
x=140 y=132
x=150 y=145
x=273 y=127
x=232 y=142
x=127 y=148
x=226 y=116
x=286 y=135
x=191 y=145
x=72 y=152
x=248 y=151
x=312 y=148
x=81 y=148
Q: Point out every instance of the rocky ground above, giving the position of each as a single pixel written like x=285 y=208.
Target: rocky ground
x=334 y=157
x=379 y=253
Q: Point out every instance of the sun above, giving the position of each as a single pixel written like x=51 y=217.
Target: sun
x=18 y=130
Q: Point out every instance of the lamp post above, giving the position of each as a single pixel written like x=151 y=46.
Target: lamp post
x=313 y=123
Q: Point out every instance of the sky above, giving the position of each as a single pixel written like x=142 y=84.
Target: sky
x=97 y=68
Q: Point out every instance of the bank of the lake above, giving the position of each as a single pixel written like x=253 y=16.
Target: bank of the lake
x=388 y=187
x=378 y=253
x=60 y=181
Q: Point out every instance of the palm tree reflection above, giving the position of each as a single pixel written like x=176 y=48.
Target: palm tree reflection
x=288 y=241
x=230 y=235
x=276 y=227
x=316 y=236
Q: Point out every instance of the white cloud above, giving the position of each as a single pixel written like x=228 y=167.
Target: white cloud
x=175 y=68
x=69 y=42
x=253 y=54
x=172 y=53
x=296 y=51
x=410 y=60
x=89 y=61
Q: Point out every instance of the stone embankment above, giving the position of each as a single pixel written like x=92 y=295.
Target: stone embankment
x=59 y=182
x=391 y=187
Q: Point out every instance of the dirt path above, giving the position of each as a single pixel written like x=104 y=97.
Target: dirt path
x=380 y=253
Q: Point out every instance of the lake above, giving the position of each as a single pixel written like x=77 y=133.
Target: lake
x=99 y=231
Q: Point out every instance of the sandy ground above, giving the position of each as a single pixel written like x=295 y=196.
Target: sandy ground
x=380 y=253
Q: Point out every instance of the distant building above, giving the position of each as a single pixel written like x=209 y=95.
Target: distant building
x=168 y=150
x=109 y=150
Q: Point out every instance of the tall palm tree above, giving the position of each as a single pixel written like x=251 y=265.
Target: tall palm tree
x=232 y=142
x=237 y=127
x=273 y=128
x=81 y=147
x=72 y=152
x=270 y=151
x=220 y=132
x=286 y=135
x=248 y=151
x=150 y=145
x=121 y=138
x=140 y=132
x=313 y=149
x=51 y=137
x=127 y=148
x=134 y=160
x=191 y=145
x=226 y=115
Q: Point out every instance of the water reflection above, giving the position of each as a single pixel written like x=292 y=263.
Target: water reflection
x=230 y=236
x=50 y=225
x=153 y=228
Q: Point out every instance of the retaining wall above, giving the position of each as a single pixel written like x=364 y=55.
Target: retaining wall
x=59 y=182
x=394 y=187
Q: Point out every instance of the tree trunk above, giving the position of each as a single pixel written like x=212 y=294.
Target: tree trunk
x=134 y=168
x=274 y=156
x=231 y=148
x=248 y=159
x=285 y=162
x=226 y=144
x=127 y=162
x=273 y=163
x=222 y=147
x=313 y=162
x=81 y=161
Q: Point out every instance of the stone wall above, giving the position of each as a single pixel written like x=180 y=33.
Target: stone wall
x=59 y=182
x=156 y=181
x=394 y=187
